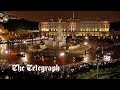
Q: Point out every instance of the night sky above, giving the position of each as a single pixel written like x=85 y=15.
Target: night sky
x=82 y=15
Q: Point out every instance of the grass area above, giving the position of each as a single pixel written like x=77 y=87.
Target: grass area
x=103 y=74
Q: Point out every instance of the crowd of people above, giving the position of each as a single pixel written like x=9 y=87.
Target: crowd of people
x=66 y=71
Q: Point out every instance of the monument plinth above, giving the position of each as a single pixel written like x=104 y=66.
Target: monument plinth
x=60 y=37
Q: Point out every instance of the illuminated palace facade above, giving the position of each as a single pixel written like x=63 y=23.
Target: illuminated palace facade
x=75 y=26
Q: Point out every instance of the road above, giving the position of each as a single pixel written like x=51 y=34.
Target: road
x=10 y=51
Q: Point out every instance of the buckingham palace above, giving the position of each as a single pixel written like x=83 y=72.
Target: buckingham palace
x=98 y=27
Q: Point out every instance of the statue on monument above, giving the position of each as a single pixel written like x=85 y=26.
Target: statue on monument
x=59 y=31
x=59 y=20
x=60 y=37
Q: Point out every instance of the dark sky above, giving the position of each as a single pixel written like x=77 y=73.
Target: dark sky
x=87 y=15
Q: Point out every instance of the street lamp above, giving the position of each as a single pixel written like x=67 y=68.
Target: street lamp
x=6 y=51
x=85 y=43
x=86 y=37
x=102 y=50
x=62 y=54
x=24 y=42
x=98 y=57
x=116 y=37
x=24 y=59
x=62 y=57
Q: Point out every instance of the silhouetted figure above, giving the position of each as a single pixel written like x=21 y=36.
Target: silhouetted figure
x=85 y=52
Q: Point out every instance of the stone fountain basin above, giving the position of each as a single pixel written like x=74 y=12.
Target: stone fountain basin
x=54 y=43
x=74 y=47
x=42 y=47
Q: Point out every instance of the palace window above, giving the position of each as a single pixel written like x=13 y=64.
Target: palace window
x=95 y=29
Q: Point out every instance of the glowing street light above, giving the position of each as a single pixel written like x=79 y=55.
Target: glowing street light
x=6 y=52
x=42 y=58
x=86 y=37
x=62 y=54
x=85 y=43
x=24 y=41
x=24 y=59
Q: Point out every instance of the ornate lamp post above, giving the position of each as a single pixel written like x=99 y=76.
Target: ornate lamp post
x=97 y=57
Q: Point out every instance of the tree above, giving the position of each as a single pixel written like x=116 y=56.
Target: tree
x=21 y=24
